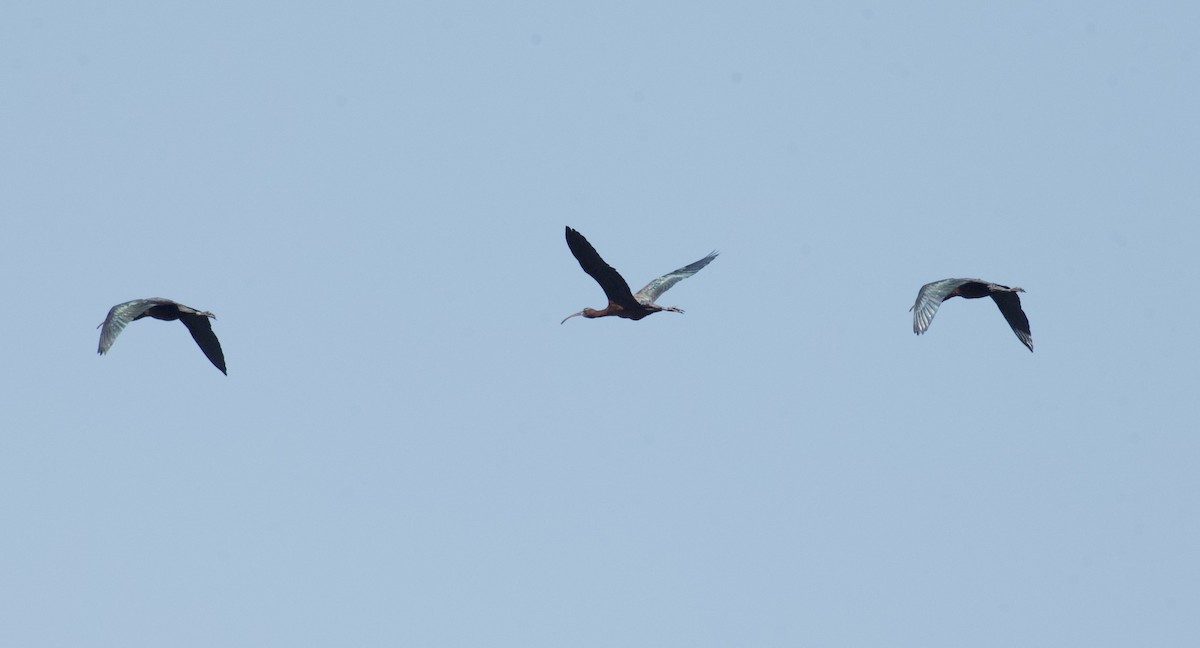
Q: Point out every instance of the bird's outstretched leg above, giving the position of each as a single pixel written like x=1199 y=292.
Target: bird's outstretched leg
x=673 y=309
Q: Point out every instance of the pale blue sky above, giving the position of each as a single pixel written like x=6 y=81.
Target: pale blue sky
x=409 y=450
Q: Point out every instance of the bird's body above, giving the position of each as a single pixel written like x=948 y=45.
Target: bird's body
x=932 y=294
x=196 y=321
x=622 y=302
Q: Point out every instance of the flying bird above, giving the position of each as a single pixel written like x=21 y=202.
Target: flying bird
x=196 y=321
x=933 y=294
x=622 y=302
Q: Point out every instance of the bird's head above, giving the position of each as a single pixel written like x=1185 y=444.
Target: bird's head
x=587 y=312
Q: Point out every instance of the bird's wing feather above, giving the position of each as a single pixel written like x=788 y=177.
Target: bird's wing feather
x=929 y=298
x=201 y=330
x=118 y=318
x=614 y=285
x=1010 y=305
x=656 y=288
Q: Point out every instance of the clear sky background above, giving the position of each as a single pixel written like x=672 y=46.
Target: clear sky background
x=409 y=450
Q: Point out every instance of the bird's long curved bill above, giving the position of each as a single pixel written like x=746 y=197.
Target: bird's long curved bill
x=570 y=316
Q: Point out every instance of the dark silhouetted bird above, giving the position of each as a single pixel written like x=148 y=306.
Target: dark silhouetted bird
x=622 y=302
x=196 y=321
x=933 y=294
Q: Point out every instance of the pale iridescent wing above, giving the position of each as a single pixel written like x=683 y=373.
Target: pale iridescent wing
x=656 y=288
x=1010 y=306
x=929 y=298
x=119 y=317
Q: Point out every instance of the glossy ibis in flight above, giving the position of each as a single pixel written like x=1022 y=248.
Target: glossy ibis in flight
x=196 y=321
x=933 y=294
x=622 y=302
